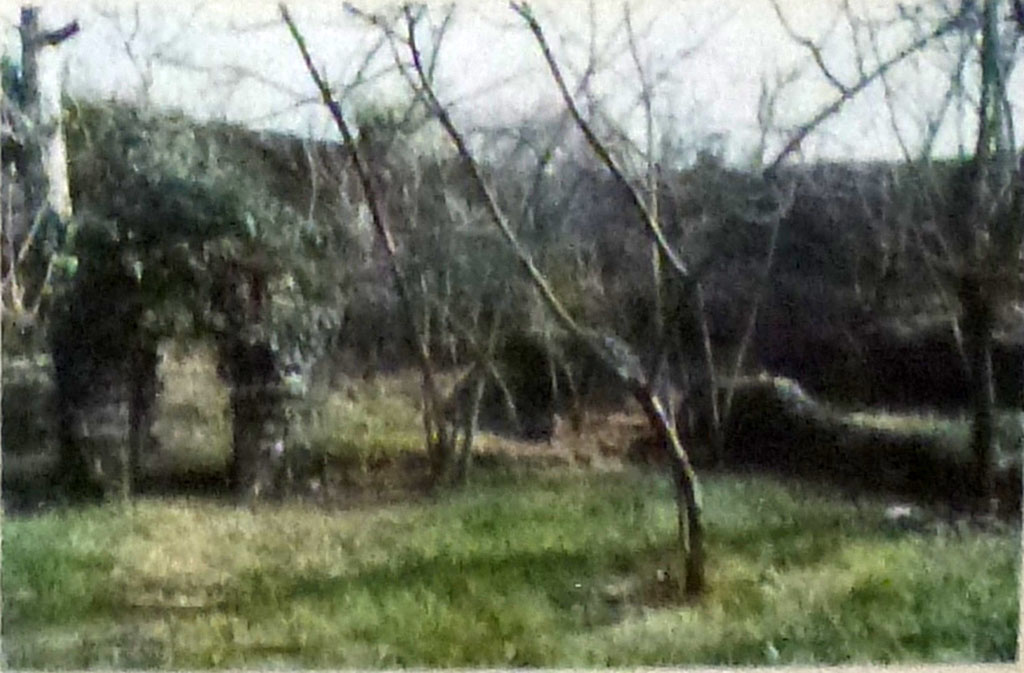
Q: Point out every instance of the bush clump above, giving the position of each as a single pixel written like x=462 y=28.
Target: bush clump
x=776 y=425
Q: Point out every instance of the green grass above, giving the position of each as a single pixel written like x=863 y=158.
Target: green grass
x=193 y=421
x=541 y=568
x=372 y=420
x=550 y=569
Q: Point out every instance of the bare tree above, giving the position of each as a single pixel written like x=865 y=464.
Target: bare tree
x=653 y=228
x=634 y=376
x=611 y=351
x=969 y=234
x=986 y=219
x=42 y=161
x=439 y=442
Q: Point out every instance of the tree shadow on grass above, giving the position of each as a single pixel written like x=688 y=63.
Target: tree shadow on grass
x=36 y=493
x=569 y=582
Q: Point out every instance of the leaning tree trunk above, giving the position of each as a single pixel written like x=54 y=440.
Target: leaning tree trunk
x=688 y=499
x=978 y=322
x=469 y=423
x=623 y=363
x=440 y=447
x=467 y=417
x=611 y=353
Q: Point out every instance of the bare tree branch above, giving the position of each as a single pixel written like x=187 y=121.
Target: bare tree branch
x=433 y=408
x=809 y=45
x=490 y=203
x=653 y=228
x=438 y=39
x=831 y=108
x=612 y=352
x=55 y=37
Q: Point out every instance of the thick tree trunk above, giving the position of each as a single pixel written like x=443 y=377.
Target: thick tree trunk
x=978 y=322
x=3 y=238
x=72 y=376
x=981 y=431
x=244 y=446
x=44 y=163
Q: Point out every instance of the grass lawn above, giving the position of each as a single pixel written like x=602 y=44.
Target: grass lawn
x=537 y=563
x=551 y=568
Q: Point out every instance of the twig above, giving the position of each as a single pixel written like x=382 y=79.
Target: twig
x=809 y=45
x=490 y=203
x=432 y=404
x=653 y=228
x=831 y=108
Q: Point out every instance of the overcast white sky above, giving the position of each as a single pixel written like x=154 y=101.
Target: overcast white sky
x=493 y=72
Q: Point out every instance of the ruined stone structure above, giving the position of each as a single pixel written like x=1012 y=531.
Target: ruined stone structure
x=105 y=365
